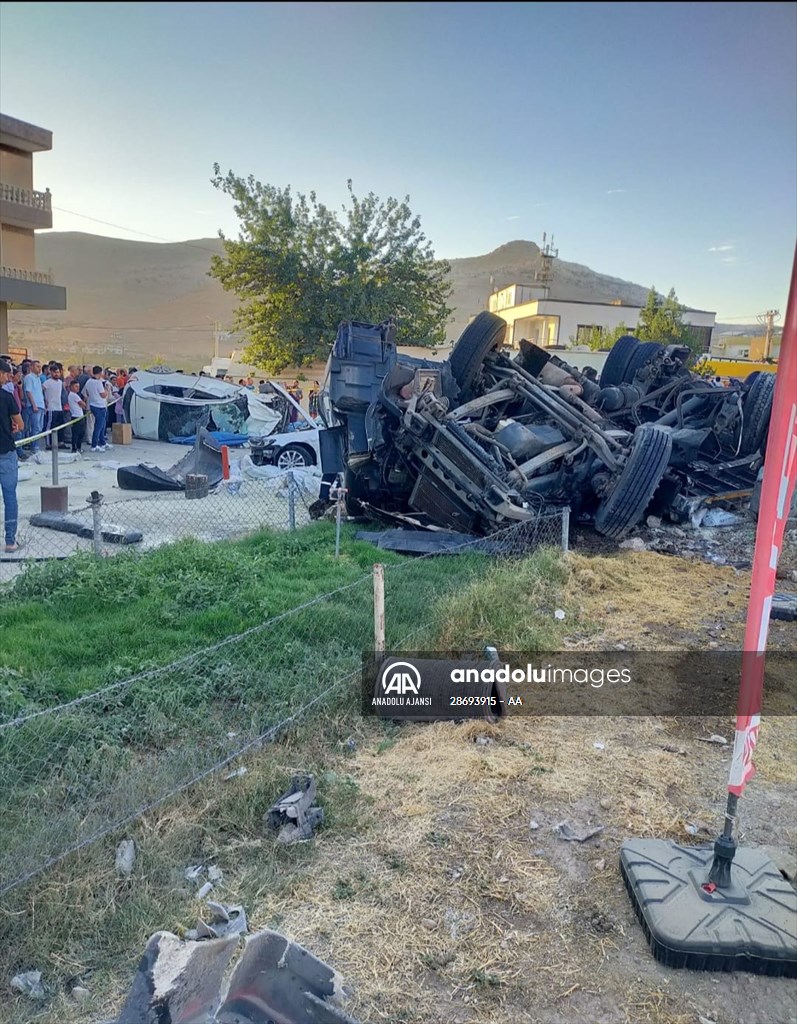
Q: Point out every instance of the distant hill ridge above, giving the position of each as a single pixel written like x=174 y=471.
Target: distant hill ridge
x=137 y=300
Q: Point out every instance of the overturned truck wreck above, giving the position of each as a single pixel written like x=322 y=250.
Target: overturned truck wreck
x=484 y=440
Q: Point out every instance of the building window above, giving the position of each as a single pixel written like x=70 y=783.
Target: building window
x=586 y=332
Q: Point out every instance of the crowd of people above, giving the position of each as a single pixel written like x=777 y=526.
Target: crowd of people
x=41 y=406
x=49 y=397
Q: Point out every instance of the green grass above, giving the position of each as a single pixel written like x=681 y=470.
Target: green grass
x=70 y=627
x=78 y=921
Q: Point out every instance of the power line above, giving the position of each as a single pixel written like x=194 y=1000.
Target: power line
x=134 y=231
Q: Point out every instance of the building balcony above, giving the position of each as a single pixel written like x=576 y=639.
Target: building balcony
x=21 y=288
x=25 y=208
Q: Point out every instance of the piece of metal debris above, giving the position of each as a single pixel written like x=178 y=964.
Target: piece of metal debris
x=29 y=984
x=566 y=831
x=293 y=816
x=784 y=607
x=713 y=738
x=274 y=980
x=125 y=857
x=559 y=614
x=193 y=871
x=205 y=890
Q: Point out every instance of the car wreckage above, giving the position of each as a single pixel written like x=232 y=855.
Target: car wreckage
x=487 y=438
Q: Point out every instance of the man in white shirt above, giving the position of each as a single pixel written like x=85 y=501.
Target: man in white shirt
x=53 y=389
x=97 y=393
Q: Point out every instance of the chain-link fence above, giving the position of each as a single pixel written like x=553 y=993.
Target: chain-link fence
x=73 y=772
x=54 y=524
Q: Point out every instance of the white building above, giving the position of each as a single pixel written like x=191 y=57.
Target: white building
x=530 y=314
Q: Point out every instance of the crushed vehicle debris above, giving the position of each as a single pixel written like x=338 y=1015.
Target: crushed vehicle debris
x=273 y=980
x=484 y=440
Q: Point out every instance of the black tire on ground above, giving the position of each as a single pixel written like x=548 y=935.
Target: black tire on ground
x=613 y=371
x=294 y=456
x=480 y=337
x=641 y=356
x=757 y=410
x=625 y=506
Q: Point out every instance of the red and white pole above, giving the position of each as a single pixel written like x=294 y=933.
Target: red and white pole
x=780 y=471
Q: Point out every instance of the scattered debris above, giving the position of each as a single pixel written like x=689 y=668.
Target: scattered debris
x=598 y=745
x=205 y=890
x=125 y=857
x=458 y=922
x=29 y=984
x=674 y=750
x=534 y=825
x=633 y=544
x=713 y=738
x=193 y=871
x=559 y=614
x=600 y=865
x=273 y=980
x=483 y=741
x=215 y=874
x=719 y=517
x=566 y=831
x=80 y=994
x=293 y=816
x=784 y=607
x=235 y=774
x=653 y=522
x=704 y=1020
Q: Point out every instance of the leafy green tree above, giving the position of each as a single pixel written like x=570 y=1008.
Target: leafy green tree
x=662 y=320
x=298 y=269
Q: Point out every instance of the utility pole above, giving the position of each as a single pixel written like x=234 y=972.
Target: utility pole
x=768 y=321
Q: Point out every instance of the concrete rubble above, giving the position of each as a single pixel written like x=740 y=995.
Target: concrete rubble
x=273 y=980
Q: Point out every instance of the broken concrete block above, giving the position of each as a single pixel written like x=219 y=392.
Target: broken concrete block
x=566 y=831
x=178 y=981
x=125 y=857
x=293 y=816
x=633 y=544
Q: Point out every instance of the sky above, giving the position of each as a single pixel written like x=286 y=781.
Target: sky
x=657 y=142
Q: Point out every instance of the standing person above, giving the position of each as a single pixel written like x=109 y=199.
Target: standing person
x=77 y=409
x=14 y=388
x=96 y=394
x=10 y=423
x=34 y=396
x=312 y=399
x=54 y=400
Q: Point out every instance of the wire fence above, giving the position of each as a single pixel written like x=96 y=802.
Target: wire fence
x=74 y=771
x=96 y=516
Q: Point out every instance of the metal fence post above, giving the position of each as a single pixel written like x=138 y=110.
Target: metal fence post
x=291 y=502
x=96 y=521
x=338 y=517
x=54 y=452
x=566 y=529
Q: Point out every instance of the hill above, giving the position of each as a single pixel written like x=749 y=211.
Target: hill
x=129 y=302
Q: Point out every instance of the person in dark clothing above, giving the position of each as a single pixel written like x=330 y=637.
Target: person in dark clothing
x=10 y=423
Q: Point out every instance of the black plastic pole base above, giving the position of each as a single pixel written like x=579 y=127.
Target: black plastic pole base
x=689 y=922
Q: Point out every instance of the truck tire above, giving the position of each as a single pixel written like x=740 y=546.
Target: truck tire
x=480 y=337
x=641 y=356
x=625 y=506
x=614 y=368
x=757 y=410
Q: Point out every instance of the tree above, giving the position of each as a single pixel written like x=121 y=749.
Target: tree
x=662 y=320
x=298 y=269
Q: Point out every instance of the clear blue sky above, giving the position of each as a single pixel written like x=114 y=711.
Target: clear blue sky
x=657 y=141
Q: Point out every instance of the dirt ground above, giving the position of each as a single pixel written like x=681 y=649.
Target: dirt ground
x=457 y=901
